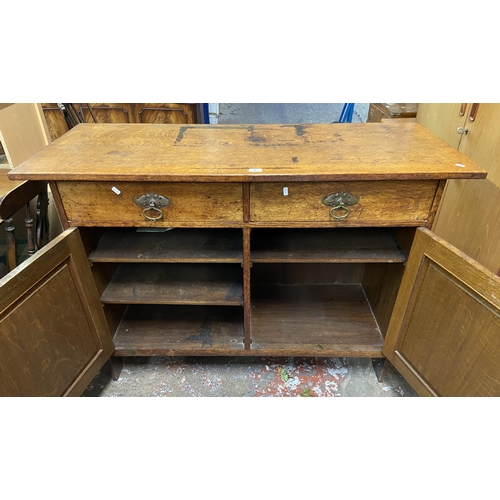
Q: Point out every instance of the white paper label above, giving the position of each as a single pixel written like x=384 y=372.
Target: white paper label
x=255 y=170
x=115 y=190
x=285 y=191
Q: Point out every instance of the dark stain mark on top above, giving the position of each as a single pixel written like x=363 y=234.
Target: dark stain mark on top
x=295 y=159
x=339 y=137
x=180 y=135
x=252 y=137
x=204 y=334
x=300 y=130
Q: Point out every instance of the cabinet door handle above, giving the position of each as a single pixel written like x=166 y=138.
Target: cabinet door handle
x=473 y=112
x=463 y=109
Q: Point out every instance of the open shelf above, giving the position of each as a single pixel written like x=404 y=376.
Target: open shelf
x=314 y=320
x=176 y=245
x=152 y=330
x=336 y=245
x=194 y=284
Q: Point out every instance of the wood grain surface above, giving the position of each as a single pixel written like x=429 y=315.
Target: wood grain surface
x=311 y=319
x=96 y=204
x=325 y=245
x=245 y=153
x=175 y=330
x=175 y=284
x=383 y=202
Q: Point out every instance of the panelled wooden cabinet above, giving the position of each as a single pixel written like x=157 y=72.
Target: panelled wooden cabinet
x=287 y=240
x=181 y=113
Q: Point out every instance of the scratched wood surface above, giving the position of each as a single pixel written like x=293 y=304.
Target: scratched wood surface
x=312 y=319
x=236 y=153
x=391 y=203
x=96 y=204
x=148 y=330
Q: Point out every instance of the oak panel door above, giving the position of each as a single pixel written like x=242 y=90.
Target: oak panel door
x=444 y=334
x=53 y=333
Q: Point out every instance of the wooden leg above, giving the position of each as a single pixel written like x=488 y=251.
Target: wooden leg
x=11 y=245
x=115 y=364
x=28 y=222
x=380 y=366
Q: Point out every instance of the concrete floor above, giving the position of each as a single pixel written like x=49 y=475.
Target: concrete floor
x=285 y=113
x=254 y=376
x=248 y=377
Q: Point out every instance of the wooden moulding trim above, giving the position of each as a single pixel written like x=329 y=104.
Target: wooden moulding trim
x=18 y=174
x=167 y=223
x=238 y=350
x=338 y=225
x=412 y=376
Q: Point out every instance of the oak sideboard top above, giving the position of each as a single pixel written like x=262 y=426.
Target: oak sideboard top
x=246 y=153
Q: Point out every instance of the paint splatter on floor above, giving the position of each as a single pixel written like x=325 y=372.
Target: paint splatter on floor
x=247 y=377
x=303 y=377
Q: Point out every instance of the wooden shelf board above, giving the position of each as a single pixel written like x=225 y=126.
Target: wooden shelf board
x=149 y=330
x=367 y=245
x=314 y=320
x=175 y=284
x=176 y=245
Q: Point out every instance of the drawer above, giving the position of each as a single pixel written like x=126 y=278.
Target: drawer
x=112 y=203
x=378 y=202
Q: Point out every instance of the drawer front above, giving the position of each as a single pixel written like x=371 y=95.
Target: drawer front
x=371 y=203
x=112 y=203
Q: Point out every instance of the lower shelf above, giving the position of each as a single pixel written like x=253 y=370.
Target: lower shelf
x=152 y=330
x=286 y=320
x=314 y=320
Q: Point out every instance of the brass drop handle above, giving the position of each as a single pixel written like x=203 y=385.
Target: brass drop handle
x=339 y=207
x=153 y=204
x=340 y=201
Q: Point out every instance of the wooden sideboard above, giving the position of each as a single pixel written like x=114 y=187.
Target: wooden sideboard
x=238 y=240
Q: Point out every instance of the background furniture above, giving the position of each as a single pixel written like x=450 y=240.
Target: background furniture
x=124 y=113
x=15 y=195
x=383 y=111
